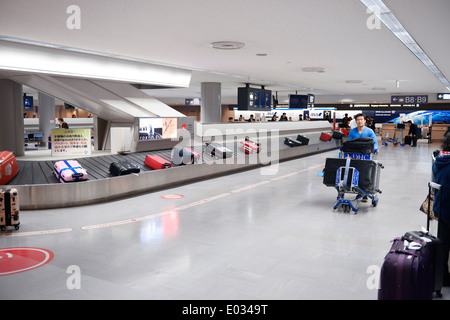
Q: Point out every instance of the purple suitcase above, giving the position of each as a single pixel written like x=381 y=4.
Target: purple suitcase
x=413 y=267
x=408 y=271
x=69 y=171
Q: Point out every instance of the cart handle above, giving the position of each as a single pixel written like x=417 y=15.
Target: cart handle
x=434 y=185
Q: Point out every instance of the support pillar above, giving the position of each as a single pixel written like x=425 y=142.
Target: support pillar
x=46 y=114
x=211 y=105
x=11 y=118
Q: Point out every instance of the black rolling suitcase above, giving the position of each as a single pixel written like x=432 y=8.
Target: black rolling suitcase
x=363 y=145
x=304 y=140
x=122 y=168
x=9 y=208
x=369 y=173
x=408 y=140
x=292 y=142
x=413 y=268
x=338 y=135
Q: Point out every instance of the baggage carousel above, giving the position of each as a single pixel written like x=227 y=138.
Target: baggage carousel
x=39 y=188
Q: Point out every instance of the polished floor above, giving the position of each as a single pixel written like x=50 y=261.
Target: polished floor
x=264 y=234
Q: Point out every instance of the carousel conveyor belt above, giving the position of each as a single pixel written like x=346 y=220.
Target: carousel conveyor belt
x=41 y=172
x=39 y=188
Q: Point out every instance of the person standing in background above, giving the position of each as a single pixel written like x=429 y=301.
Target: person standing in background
x=413 y=133
x=345 y=121
x=63 y=124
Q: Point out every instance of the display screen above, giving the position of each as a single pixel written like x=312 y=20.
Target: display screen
x=28 y=103
x=157 y=128
x=254 y=99
x=298 y=101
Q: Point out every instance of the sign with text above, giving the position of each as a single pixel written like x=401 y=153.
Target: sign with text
x=422 y=99
x=71 y=142
x=443 y=96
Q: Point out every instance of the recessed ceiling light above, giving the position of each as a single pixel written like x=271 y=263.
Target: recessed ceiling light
x=353 y=81
x=261 y=54
x=378 y=88
x=314 y=69
x=227 y=45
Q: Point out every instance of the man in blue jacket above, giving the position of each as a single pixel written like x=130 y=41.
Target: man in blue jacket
x=362 y=131
x=441 y=209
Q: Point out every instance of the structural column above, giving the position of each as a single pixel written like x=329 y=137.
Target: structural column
x=46 y=114
x=211 y=105
x=11 y=117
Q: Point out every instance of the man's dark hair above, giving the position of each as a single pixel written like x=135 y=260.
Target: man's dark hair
x=360 y=115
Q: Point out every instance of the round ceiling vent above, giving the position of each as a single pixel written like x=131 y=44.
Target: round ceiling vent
x=227 y=45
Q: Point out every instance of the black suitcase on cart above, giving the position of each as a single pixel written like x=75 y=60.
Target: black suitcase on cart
x=9 y=208
x=363 y=145
x=122 y=168
x=369 y=173
x=413 y=268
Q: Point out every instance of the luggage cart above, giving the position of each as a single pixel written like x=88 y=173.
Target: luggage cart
x=361 y=156
x=347 y=182
x=356 y=171
x=397 y=138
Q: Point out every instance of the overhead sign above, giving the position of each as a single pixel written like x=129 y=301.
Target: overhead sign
x=422 y=99
x=386 y=105
x=443 y=96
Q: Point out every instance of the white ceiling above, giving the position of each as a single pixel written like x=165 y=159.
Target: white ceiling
x=295 y=34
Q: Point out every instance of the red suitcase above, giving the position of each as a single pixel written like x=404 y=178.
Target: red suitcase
x=8 y=167
x=345 y=131
x=249 y=146
x=325 y=136
x=156 y=162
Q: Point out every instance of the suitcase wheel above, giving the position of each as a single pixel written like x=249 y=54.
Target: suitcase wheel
x=346 y=207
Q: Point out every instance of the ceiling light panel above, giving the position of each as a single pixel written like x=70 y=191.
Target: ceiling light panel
x=48 y=60
x=382 y=12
